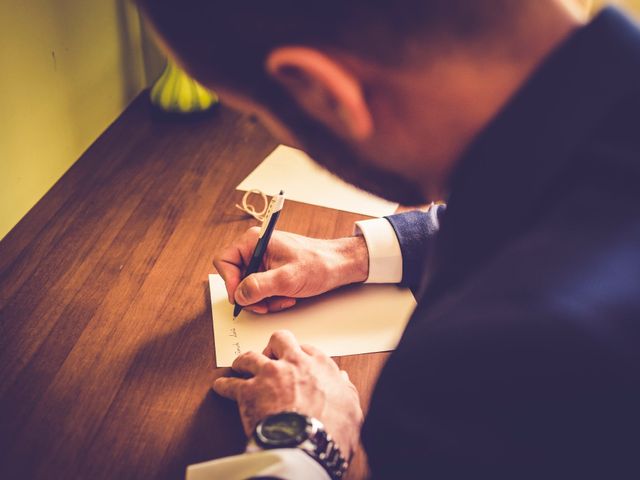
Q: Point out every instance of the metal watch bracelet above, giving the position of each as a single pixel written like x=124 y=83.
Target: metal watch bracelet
x=324 y=450
x=318 y=445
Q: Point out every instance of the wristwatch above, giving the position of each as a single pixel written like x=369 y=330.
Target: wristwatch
x=294 y=430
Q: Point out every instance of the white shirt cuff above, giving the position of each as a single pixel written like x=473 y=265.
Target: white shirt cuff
x=385 y=256
x=284 y=463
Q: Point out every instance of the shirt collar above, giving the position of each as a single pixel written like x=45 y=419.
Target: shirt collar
x=509 y=167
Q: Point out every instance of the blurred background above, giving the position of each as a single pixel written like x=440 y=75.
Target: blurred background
x=69 y=68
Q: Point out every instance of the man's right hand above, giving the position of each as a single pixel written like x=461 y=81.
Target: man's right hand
x=293 y=267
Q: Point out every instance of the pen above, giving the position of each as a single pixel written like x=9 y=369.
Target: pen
x=268 y=225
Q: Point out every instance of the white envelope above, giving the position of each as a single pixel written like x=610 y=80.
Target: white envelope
x=352 y=320
x=305 y=181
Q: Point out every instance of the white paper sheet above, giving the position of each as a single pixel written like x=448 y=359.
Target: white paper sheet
x=352 y=320
x=305 y=181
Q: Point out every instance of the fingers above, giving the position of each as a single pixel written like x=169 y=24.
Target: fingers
x=257 y=287
x=260 y=308
x=228 y=387
x=273 y=305
x=230 y=273
x=313 y=351
x=231 y=261
x=250 y=362
x=278 y=304
x=282 y=343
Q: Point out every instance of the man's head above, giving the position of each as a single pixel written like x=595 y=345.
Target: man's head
x=385 y=93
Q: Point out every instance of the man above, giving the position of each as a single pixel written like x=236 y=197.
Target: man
x=521 y=359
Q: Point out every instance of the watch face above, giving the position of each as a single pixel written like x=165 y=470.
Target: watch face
x=283 y=430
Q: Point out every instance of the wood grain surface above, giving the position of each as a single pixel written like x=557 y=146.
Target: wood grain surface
x=106 y=343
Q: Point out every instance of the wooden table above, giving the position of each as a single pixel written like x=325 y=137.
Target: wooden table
x=106 y=346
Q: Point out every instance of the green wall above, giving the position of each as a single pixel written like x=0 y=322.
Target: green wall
x=68 y=69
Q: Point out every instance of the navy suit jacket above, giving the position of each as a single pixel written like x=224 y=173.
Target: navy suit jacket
x=522 y=359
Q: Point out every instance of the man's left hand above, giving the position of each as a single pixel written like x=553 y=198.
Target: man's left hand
x=292 y=377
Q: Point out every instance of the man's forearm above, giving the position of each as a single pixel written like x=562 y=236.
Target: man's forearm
x=352 y=261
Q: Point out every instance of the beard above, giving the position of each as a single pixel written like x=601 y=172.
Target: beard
x=333 y=153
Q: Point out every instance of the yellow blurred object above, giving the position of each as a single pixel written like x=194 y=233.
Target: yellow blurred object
x=176 y=92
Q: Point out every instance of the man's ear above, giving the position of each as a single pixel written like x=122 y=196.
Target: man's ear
x=323 y=88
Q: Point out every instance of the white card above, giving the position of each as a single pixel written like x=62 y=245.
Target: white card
x=305 y=181
x=352 y=320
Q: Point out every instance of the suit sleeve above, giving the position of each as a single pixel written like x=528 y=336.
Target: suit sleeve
x=398 y=245
x=415 y=232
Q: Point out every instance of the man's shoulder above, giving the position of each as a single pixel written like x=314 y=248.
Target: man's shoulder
x=582 y=256
x=575 y=273
x=580 y=253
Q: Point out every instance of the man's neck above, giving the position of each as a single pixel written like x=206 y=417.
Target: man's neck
x=434 y=111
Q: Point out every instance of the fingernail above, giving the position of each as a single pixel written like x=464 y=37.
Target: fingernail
x=288 y=303
x=244 y=292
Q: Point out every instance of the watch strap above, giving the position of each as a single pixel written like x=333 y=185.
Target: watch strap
x=318 y=445
x=324 y=450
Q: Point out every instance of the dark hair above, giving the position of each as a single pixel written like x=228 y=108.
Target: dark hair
x=236 y=35
x=225 y=43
